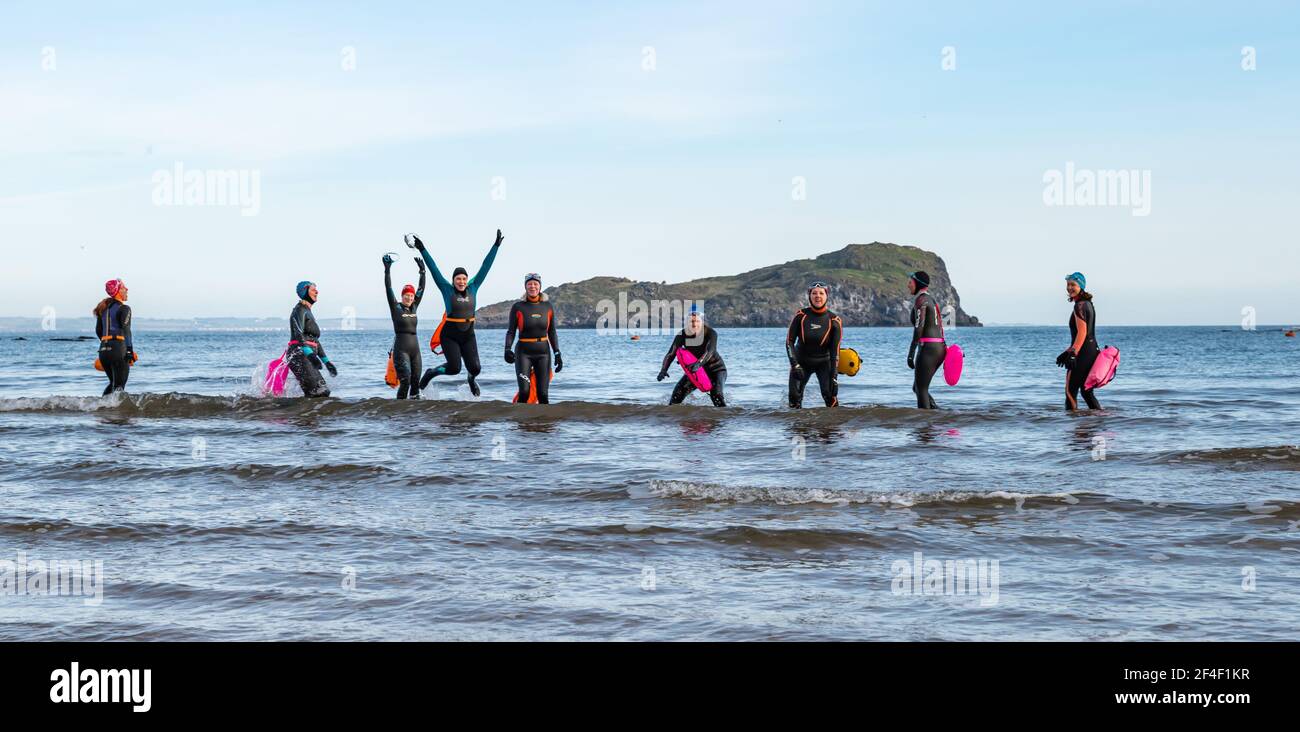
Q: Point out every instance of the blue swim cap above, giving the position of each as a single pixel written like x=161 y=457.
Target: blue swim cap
x=1078 y=277
x=301 y=289
x=696 y=309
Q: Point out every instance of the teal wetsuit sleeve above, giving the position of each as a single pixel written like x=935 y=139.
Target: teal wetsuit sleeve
x=483 y=270
x=443 y=285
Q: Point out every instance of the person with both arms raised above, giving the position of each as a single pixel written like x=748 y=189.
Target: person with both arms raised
x=406 y=346
x=534 y=320
x=458 y=300
x=812 y=344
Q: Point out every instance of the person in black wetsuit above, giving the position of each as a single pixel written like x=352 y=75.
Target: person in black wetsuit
x=702 y=343
x=458 y=301
x=928 y=349
x=406 y=346
x=812 y=344
x=534 y=319
x=113 y=326
x=306 y=356
x=1077 y=360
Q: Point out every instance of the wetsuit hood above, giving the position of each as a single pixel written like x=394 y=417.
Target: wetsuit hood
x=922 y=279
x=302 y=289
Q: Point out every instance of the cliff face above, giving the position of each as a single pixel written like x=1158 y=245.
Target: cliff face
x=868 y=288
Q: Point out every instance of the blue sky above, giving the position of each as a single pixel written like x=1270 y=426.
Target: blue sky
x=666 y=174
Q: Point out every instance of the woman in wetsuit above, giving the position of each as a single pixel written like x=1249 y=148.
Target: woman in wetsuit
x=813 y=346
x=113 y=326
x=458 y=341
x=928 y=348
x=1077 y=360
x=406 y=346
x=306 y=356
x=702 y=343
x=534 y=319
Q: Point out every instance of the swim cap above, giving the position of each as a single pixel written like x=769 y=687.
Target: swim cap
x=1078 y=277
x=696 y=309
x=302 y=288
x=459 y=271
x=408 y=288
x=533 y=276
x=921 y=278
x=112 y=287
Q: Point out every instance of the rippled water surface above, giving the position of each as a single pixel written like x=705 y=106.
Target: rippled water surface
x=218 y=514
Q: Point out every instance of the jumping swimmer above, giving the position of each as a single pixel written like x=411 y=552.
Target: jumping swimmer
x=458 y=341
x=813 y=346
x=702 y=343
x=927 y=334
x=406 y=346
x=534 y=319
x=1077 y=360
x=306 y=356
x=113 y=326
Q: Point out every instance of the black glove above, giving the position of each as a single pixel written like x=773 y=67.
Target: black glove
x=130 y=356
x=510 y=355
x=388 y=261
x=796 y=367
x=497 y=243
x=911 y=361
x=1066 y=359
x=559 y=362
x=334 y=371
x=662 y=375
x=419 y=262
x=418 y=244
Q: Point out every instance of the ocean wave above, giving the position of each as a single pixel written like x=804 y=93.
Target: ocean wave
x=1278 y=457
x=187 y=406
x=898 y=499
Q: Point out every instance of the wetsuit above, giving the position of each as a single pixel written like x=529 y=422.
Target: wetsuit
x=704 y=347
x=306 y=356
x=1083 y=342
x=458 y=341
x=535 y=322
x=406 y=346
x=813 y=346
x=116 y=351
x=928 y=349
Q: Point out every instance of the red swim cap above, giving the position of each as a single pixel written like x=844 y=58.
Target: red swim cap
x=408 y=288
x=112 y=287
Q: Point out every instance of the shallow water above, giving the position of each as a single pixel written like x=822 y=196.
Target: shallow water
x=218 y=514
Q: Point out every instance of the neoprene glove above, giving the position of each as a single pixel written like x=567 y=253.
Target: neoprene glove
x=418 y=244
x=911 y=361
x=510 y=355
x=419 y=262
x=388 y=261
x=334 y=370
x=497 y=243
x=559 y=362
x=662 y=375
x=1066 y=359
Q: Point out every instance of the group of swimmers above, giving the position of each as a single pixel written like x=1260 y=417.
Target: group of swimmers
x=813 y=339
